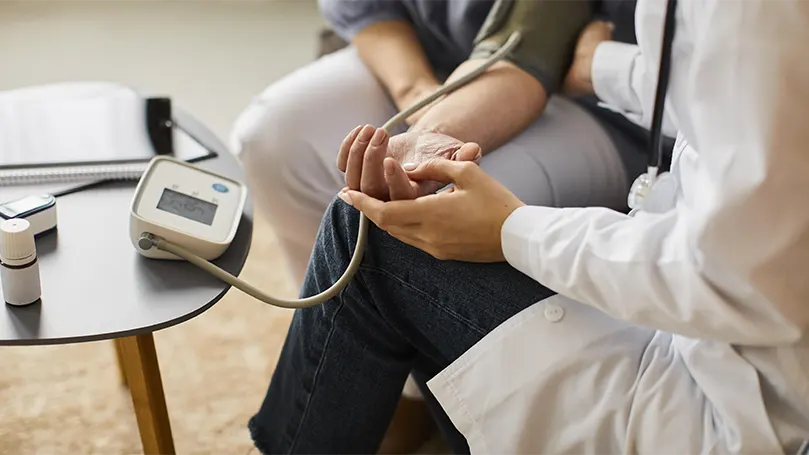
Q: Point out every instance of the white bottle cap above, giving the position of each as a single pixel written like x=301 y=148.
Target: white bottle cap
x=16 y=241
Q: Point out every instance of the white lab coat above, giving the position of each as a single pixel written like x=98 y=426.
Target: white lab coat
x=681 y=329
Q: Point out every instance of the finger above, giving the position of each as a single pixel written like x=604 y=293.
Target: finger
x=468 y=152
x=373 y=175
x=342 y=155
x=384 y=214
x=400 y=186
x=445 y=171
x=355 y=157
x=426 y=187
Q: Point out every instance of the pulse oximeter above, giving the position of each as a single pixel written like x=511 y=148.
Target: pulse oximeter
x=39 y=211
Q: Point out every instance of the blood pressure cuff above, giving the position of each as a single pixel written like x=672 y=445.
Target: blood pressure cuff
x=549 y=29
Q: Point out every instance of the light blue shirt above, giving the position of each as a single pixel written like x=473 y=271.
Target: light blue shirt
x=446 y=29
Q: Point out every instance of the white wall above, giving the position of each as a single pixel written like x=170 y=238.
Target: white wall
x=209 y=56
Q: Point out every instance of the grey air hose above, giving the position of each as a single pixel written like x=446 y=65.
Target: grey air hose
x=150 y=240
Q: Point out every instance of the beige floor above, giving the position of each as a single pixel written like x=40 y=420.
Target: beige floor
x=210 y=57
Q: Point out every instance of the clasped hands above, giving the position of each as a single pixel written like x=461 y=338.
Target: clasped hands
x=394 y=182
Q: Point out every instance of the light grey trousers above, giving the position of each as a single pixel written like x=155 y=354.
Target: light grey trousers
x=288 y=138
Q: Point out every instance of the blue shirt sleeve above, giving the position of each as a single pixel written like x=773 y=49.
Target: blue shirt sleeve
x=349 y=17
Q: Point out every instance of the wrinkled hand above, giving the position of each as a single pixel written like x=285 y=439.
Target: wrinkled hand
x=462 y=223
x=373 y=162
x=579 y=78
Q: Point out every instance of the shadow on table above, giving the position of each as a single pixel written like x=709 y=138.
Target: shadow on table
x=26 y=319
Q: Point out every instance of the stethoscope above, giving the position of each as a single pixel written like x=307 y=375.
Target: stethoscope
x=642 y=186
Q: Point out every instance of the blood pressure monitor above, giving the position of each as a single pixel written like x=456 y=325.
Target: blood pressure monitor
x=188 y=206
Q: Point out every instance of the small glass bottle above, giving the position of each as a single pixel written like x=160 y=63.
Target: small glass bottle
x=19 y=269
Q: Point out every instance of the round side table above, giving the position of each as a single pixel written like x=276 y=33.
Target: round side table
x=96 y=287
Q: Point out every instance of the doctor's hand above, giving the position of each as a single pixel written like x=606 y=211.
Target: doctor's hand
x=364 y=151
x=462 y=223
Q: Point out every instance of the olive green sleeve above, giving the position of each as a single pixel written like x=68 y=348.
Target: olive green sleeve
x=549 y=29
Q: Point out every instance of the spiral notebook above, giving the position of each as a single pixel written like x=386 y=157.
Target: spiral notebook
x=20 y=182
x=186 y=148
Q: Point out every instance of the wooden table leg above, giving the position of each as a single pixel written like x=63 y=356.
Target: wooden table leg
x=143 y=375
x=119 y=356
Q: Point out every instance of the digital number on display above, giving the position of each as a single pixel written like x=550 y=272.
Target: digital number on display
x=187 y=206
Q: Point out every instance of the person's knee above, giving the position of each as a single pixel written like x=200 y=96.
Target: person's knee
x=334 y=246
x=338 y=231
x=262 y=140
x=271 y=137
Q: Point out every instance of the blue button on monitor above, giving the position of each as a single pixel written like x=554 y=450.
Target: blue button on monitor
x=220 y=188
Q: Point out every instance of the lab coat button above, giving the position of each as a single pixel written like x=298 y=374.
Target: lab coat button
x=554 y=313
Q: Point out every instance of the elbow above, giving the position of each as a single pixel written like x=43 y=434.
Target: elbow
x=747 y=314
x=752 y=254
x=786 y=295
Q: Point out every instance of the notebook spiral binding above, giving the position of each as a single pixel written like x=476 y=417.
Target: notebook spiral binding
x=69 y=174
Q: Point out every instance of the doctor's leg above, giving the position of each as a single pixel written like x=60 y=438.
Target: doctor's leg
x=344 y=363
x=516 y=377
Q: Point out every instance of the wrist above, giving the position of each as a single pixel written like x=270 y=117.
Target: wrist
x=579 y=80
x=502 y=233
x=590 y=63
x=407 y=95
x=585 y=76
x=512 y=234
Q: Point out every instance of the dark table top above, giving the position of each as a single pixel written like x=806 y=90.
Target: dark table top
x=96 y=286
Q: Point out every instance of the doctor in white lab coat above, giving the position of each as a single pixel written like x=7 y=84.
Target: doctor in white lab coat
x=682 y=328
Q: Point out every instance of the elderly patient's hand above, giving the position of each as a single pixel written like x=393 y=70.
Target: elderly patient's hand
x=373 y=162
x=462 y=223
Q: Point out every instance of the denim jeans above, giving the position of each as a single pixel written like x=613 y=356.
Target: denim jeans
x=343 y=365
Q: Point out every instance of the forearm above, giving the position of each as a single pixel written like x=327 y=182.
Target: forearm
x=394 y=54
x=513 y=93
x=491 y=109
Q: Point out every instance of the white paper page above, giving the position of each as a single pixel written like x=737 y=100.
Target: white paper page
x=86 y=127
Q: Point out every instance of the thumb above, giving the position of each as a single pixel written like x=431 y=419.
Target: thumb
x=444 y=171
x=468 y=152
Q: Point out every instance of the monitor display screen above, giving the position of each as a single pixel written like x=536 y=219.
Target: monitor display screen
x=187 y=206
